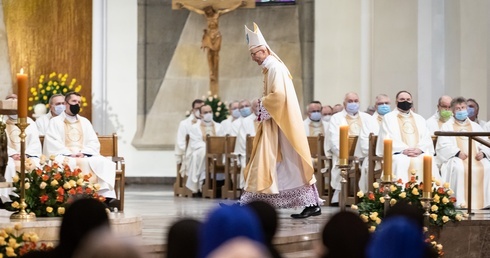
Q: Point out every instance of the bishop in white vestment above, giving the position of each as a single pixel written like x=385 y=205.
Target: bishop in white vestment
x=453 y=152
x=72 y=136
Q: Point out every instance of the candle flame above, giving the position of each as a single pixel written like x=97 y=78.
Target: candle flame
x=21 y=70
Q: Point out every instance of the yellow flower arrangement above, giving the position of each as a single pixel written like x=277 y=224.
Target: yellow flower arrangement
x=54 y=83
x=13 y=244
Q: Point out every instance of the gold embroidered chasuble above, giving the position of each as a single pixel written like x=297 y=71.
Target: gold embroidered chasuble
x=316 y=128
x=74 y=142
x=280 y=101
x=409 y=133
x=477 y=167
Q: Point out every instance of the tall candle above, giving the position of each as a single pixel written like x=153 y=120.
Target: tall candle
x=427 y=174
x=344 y=142
x=22 y=94
x=388 y=159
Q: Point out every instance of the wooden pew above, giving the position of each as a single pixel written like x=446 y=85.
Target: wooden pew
x=321 y=167
x=179 y=185
x=109 y=148
x=373 y=174
x=230 y=189
x=216 y=148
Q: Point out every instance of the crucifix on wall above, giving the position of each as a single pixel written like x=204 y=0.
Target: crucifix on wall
x=211 y=40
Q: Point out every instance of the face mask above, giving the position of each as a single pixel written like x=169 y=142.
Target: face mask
x=352 y=108
x=384 y=109
x=471 y=111
x=445 y=114
x=316 y=116
x=74 y=109
x=326 y=118
x=197 y=114
x=246 y=111
x=461 y=115
x=235 y=113
x=207 y=117
x=59 y=109
x=13 y=117
x=405 y=105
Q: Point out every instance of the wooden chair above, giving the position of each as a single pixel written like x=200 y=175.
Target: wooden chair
x=179 y=186
x=321 y=167
x=109 y=148
x=216 y=148
x=373 y=173
x=230 y=189
x=354 y=173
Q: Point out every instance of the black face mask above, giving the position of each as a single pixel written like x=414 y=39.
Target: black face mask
x=405 y=105
x=74 y=109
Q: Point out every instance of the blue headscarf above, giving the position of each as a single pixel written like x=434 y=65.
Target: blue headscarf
x=226 y=223
x=398 y=237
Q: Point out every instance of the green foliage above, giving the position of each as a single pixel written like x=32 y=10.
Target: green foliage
x=220 y=110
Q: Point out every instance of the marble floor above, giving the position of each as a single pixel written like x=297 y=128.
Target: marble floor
x=159 y=209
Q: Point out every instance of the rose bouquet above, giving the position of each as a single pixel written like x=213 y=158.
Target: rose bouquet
x=14 y=244
x=49 y=188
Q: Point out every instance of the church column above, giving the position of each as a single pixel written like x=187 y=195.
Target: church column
x=365 y=93
x=307 y=37
x=431 y=49
x=5 y=77
x=99 y=65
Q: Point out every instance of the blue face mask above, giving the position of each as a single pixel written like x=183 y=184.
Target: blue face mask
x=352 y=108
x=384 y=109
x=235 y=113
x=245 y=111
x=471 y=111
x=461 y=115
x=316 y=116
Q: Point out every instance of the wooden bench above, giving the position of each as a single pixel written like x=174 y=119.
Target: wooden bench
x=217 y=147
x=179 y=186
x=321 y=167
x=373 y=174
x=109 y=148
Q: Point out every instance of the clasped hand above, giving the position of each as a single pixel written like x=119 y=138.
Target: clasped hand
x=412 y=152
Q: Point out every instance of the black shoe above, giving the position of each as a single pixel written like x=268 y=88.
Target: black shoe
x=113 y=204
x=197 y=195
x=334 y=204
x=307 y=212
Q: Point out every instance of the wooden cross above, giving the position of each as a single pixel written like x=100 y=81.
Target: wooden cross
x=211 y=40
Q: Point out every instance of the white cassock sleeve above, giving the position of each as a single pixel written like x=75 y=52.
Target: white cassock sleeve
x=446 y=146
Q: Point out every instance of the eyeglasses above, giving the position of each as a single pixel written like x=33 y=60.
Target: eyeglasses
x=253 y=54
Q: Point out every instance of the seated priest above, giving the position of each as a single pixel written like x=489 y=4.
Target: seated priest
x=56 y=107
x=355 y=119
x=382 y=106
x=227 y=124
x=411 y=139
x=196 y=170
x=72 y=136
x=453 y=152
x=33 y=149
x=314 y=125
x=242 y=127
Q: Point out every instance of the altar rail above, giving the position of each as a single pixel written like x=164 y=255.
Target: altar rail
x=472 y=136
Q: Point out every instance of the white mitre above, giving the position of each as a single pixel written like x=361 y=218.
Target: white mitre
x=255 y=39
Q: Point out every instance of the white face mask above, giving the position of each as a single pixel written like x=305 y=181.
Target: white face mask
x=326 y=118
x=59 y=109
x=207 y=117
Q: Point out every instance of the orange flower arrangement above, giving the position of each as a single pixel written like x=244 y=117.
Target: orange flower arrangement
x=15 y=244
x=49 y=188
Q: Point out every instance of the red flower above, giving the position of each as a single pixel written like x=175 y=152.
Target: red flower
x=399 y=181
x=452 y=199
x=60 y=198
x=44 y=198
x=79 y=190
x=440 y=190
x=72 y=191
x=45 y=177
x=55 y=165
x=39 y=172
x=60 y=191
x=67 y=173
x=88 y=190
x=57 y=176
x=47 y=168
x=371 y=196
